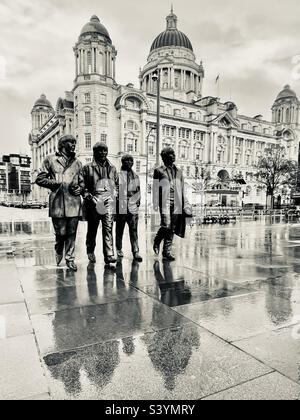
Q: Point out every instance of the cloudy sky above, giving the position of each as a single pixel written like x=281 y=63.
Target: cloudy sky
x=250 y=43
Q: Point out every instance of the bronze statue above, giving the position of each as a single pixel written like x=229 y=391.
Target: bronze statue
x=169 y=197
x=128 y=203
x=59 y=174
x=99 y=183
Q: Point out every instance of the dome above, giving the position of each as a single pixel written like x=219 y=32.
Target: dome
x=43 y=101
x=172 y=37
x=95 y=27
x=286 y=93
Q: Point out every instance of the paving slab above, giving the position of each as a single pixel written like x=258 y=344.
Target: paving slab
x=10 y=288
x=14 y=318
x=21 y=371
x=183 y=363
x=58 y=289
x=240 y=317
x=278 y=349
x=73 y=328
x=273 y=386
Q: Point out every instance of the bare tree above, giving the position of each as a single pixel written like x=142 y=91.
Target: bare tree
x=274 y=171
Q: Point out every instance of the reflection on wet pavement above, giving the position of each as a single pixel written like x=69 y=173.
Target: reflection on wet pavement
x=181 y=363
x=100 y=329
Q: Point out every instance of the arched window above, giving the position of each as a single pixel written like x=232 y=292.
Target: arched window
x=198 y=116
x=167 y=109
x=89 y=61
x=198 y=152
x=131 y=126
x=130 y=143
x=152 y=105
x=288 y=116
x=168 y=143
x=152 y=146
x=279 y=116
x=183 y=150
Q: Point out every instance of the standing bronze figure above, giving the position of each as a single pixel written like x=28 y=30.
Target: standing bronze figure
x=128 y=203
x=60 y=175
x=170 y=199
x=99 y=182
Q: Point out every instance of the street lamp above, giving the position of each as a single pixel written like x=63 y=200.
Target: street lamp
x=156 y=78
x=153 y=127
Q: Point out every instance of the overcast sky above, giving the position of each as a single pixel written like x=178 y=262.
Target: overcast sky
x=250 y=43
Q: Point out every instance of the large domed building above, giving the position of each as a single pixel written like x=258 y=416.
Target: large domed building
x=211 y=139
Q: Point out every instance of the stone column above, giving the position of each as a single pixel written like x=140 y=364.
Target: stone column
x=114 y=68
x=76 y=65
x=254 y=153
x=144 y=147
x=243 y=153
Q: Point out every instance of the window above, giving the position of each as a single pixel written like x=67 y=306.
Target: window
x=88 y=119
x=151 y=146
x=103 y=117
x=183 y=150
x=169 y=131
x=198 y=135
x=87 y=98
x=198 y=152
x=88 y=141
x=184 y=133
x=167 y=109
x=130 y=144
x=103 y=99
x=103 y=138
x=131 y=125
x=89 y=61
x=88 y=160
x=151 y=149
x=188 y=171
x=138 y=166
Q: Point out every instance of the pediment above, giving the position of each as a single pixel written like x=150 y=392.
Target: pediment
x=225 y=120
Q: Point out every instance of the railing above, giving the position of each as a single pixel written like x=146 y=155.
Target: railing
x=231 y=215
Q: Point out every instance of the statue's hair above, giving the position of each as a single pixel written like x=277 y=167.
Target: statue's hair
x=100 y=146
x=166 y=151
x=63 y=140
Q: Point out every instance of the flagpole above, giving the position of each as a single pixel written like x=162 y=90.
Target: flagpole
x=218 y=86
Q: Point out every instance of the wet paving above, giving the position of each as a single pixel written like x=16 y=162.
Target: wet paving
x=222 y=322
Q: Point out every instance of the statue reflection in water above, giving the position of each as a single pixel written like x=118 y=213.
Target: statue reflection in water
x=170 y=350
x=172 y=292
x=73 y=326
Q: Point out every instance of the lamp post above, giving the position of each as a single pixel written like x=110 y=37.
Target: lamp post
x=147 y=168
x=156 y=78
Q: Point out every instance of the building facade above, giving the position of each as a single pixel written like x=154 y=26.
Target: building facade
x=213 y=142
x=15 y=178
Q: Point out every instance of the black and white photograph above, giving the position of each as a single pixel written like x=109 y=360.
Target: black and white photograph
x=149 y=203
